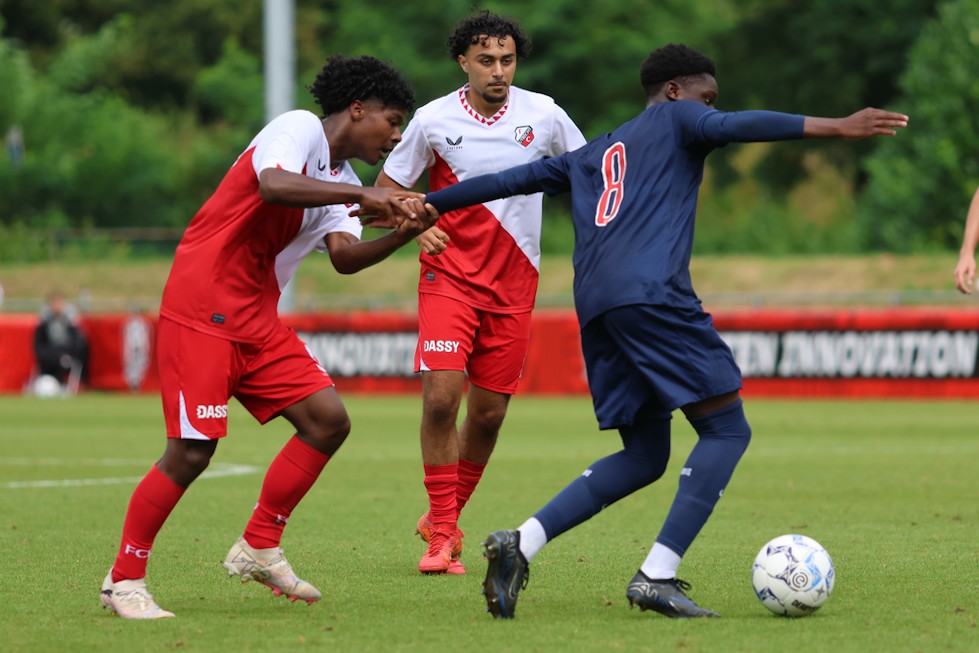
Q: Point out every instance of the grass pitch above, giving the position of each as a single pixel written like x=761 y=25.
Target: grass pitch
x=887 y=487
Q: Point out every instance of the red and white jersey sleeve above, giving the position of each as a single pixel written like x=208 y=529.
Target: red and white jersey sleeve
x=239 y=251
x=493 y=258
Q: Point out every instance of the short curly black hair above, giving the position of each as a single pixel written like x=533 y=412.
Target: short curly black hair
x=346 y=79
x=484 y=24
x=673 y=61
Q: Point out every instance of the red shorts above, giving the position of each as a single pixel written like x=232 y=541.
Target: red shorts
x=200 y=372
x=490 y=347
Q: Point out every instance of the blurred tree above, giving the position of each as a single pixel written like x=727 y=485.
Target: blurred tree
x=592 y=72
x=169 y=41
x=90 y=158
x=922 y=182
x=15 y=71
x=162 y=94
x=232 y=89
x=817 y=57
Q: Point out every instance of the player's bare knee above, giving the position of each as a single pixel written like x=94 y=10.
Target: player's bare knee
x=185 y=460
x=326 y=433
x=440 y=410
x=486 y=423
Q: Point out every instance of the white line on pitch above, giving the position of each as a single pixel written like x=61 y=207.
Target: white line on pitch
x=219 y=470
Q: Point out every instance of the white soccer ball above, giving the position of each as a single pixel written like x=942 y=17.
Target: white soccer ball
x=46 y=386
x=793 y=575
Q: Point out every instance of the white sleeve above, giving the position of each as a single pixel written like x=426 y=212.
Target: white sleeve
x=412 y=156
x=288 y=142
x=567 y=136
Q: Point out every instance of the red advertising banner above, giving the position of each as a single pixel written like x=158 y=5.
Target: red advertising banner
x=827 y=353
x=895 y=352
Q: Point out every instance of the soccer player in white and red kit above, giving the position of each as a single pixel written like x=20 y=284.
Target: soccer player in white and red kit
x=220 y=336
x=479 y=265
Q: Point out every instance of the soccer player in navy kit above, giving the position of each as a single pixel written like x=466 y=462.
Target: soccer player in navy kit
x=649 y=347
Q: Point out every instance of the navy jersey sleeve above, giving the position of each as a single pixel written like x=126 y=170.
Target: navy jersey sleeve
x=702 y=124
x=544 y=175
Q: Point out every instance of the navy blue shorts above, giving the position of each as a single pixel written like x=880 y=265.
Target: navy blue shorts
x=641 y=354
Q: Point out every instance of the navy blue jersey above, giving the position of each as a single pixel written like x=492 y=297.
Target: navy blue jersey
x=634 y=198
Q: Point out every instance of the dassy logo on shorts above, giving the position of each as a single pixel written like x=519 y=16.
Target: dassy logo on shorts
x=208 y=412
x=440 y=345
x=524 y=135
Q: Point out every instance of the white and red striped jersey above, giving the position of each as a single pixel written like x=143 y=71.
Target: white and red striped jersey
x=239 y=251
x=493 y=258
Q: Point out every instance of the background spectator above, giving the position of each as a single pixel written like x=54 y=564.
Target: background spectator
x=60 y=347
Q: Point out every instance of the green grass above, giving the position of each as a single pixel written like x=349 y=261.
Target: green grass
x=887 y=487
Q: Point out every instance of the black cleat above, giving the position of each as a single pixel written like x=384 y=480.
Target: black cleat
x=506 y=574
x=664 y=596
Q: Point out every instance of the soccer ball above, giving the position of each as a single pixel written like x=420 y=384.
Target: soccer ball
x=793 y=575
x=46 y=386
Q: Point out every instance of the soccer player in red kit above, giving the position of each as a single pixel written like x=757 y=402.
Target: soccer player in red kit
x=219 y=335
x=479 y=265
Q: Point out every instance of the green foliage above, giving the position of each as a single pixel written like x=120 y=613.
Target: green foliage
x=922 y=181
x=132 y=110
x=19 y=244
x=232 y=89
x=15 y=73
x=821 y=58
x=91 y=158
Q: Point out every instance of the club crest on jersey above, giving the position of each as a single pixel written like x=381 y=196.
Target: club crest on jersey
x=524 y=135
x=454 y=144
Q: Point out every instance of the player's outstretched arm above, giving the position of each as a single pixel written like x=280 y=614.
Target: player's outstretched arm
x=965 y=270
x=862 y=124
x=349 y=255
x=386 y=205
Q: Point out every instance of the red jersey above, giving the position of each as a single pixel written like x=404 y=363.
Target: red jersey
x=240 y=251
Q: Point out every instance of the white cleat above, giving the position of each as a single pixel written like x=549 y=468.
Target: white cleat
x=130 y=600
x=270 y=568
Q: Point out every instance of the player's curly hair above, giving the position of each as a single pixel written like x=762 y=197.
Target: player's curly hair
x=346 y=79
x=469 y=30
x=671 y=62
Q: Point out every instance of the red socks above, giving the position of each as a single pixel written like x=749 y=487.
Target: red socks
x=152 y=502
x=469 y=475
x=449 y=488
x=441 y=481
x=289 y=478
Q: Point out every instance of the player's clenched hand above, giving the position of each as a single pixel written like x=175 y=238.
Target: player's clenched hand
x=872 y=122
x=965 y=274
x=415 y=226
x=387 y=208
x=433 y=242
